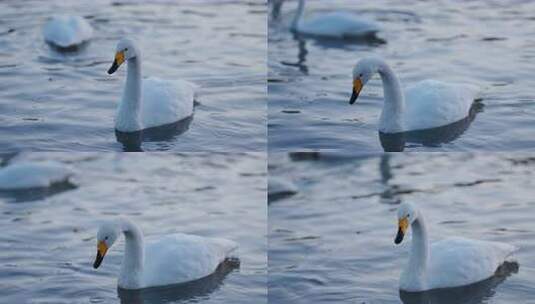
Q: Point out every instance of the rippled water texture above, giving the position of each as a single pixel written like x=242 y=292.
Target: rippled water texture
x=333 y=240
x=488 y=43
x=47 y=247
x=55 y=101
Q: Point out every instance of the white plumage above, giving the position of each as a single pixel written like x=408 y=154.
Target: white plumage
x=433 y=103
x=166 y=102
x=67 y=31
x=33 y=175
x=181 y=258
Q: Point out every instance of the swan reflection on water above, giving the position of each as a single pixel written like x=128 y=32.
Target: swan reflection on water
x=476 y=293
x=178 y=293
x=132 y=140
x=396 y=142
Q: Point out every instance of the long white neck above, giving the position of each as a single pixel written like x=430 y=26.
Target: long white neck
x=128 y=114
x=133 y=260
x=419 y=255
x=298 y=15
x=391 y=120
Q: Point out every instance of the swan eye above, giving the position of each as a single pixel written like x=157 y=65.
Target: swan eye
x=106 y=238
x=360 y=75
x=126 y=49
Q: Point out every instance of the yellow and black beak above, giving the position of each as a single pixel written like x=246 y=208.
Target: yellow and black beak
x=119 y=59
x=101 y=252
x=402 y=229
x=357 y=87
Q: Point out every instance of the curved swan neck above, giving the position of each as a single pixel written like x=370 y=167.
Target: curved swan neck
x=391 y=120
x=133 y=260
x=298 y=15
x=128 y=116
x=419 y=250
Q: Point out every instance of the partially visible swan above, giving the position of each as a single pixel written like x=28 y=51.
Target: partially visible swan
x=153 y=103
x=279 y=187
x=332 y=25
x=425 y=105
x=452 y=262
x=170 y=259
x=33 y=175
x=67 y=32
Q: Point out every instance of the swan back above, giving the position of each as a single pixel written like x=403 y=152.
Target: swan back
x=166 y=102
x=459 y=261
x=180 y=258
x=432 y=103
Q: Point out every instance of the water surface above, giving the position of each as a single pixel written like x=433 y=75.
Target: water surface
x=333 y=240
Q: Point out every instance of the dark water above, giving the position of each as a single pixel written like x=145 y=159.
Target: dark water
x=55 y=101
x=333 y=240
x=488 y=43
x=48 y=244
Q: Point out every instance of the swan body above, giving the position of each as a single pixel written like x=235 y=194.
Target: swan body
x=33 y=175
x=67 y=31
x=451 y=262
x=151 y=102
x=171 y=259
x=332 y=25
x=426 y=104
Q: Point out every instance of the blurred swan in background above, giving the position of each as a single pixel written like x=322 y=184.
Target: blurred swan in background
x=332 y=25
x=67 y=32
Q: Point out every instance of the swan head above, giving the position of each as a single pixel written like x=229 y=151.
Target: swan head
x=126 y=49
x=107 y=235
x=407 y=214
x=362 y=73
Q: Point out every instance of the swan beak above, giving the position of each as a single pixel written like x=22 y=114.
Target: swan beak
x=357 y=87
x=101 y=252
x=402 y=228
x=119 y=59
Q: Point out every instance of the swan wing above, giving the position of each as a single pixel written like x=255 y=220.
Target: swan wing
x=337 y=24
x=166 y=102
x=66 y=31
x=431 y=104
x=459 y=261
x=180 y=258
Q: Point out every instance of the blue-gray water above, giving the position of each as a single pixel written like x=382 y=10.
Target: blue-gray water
x=488 y=43
x=47 y=247
x=51 y=101
x=333 y=241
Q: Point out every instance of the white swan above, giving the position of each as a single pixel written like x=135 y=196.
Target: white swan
x=426 y=104
x=67 y=31
x=332 y=25
x=452 y=262
x=171 y=259
x=154 y=103
x=33 y=175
